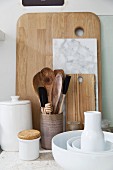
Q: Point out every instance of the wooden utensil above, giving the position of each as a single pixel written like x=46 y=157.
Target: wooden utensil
x=47 y=77
x=48 y=108
x=57 y=87
x=59 y=71
x=37 y=83
x=65 y=88
x=45 y=106
x=43 y=98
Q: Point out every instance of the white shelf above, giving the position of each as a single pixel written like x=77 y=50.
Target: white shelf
x=2 y=36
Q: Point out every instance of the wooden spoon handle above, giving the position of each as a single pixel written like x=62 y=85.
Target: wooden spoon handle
x=61 y=104
x=57 y=87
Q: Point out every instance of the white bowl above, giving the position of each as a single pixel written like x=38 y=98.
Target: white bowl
x=70 y=141
x=75 y=145
x=76 y=160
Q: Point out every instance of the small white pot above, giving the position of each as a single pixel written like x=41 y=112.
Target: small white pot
x=28 y=149
x=15 y=116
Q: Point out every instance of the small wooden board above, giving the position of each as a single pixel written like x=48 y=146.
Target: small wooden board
x=80 y=97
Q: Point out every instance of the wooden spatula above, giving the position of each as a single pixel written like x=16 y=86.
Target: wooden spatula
x=57 y=87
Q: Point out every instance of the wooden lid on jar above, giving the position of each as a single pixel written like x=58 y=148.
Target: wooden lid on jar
x=29 y=134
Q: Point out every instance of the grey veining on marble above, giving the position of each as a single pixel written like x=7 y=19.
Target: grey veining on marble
x=76 y=56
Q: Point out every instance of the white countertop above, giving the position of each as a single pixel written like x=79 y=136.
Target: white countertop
x=11 y=161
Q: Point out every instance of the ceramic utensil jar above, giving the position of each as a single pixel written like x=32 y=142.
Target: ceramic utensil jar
x=15 y=116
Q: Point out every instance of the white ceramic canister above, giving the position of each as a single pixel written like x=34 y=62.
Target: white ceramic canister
x=29 y=144
x=15 y=116
x=92 y=138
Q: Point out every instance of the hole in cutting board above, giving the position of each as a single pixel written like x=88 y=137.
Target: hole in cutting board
x=80 y=79
x=79 y=31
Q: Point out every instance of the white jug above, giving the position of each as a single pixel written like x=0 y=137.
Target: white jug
x=15 y=116
x=92 y=137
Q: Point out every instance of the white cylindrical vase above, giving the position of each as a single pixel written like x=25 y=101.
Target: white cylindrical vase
x=92 y=137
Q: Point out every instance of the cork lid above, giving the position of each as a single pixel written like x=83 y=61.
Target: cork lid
x=29 y=134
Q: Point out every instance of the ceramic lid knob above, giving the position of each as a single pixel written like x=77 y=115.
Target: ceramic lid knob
x=15 y=98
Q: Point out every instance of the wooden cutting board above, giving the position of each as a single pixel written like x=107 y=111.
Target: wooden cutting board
x=81 y=97
x=35 y=32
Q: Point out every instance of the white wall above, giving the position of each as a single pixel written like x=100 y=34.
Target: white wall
x=10 y=11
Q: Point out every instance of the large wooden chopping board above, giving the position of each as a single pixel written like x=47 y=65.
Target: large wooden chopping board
x=34 y=47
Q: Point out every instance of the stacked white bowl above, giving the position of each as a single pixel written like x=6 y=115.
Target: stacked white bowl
x=68 y=154
x=74 y=144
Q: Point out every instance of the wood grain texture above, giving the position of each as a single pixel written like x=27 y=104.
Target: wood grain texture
x=35 y=33
x=80 y=97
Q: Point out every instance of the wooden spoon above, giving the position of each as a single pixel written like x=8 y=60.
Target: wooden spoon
x=44 y=78
x=47 y=77
x=37 y=83
x=59 y=71
x=57 y=87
